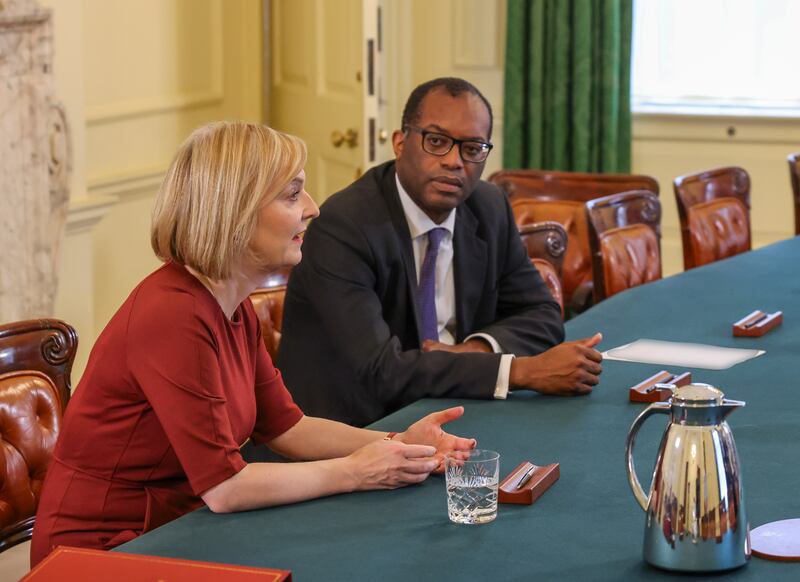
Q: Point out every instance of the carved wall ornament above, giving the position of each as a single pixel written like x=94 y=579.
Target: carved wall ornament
x=35 y=162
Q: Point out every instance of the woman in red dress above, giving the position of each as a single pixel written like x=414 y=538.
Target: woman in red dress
x=179 y=379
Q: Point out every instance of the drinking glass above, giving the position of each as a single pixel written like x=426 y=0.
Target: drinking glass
x=472 y=487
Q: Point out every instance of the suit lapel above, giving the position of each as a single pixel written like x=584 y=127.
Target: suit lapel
x=392 y=197
x=469 y=269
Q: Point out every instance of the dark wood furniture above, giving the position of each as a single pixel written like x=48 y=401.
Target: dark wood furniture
x=546 y=243
x=268 y=303
x=625 y=238
x=714 y=211
x=539 y=195
x=36 y=359
x=794 y=174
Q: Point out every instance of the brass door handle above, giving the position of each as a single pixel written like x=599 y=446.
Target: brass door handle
x=383 y=136
x=349 y=137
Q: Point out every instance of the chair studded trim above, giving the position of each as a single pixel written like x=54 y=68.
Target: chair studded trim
x=700 y=190
x=268 y=303
x=625 y=241
x=30 y=420
x=46 y=345
x=794 y=176
x=577 y=264
x=630 y=257
x=546 y=244
x=550 y=277
x=719 y=229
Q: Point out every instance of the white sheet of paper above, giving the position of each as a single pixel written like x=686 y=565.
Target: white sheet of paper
x=647 y=351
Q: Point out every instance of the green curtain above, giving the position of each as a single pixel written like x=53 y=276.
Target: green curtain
x=567 y=85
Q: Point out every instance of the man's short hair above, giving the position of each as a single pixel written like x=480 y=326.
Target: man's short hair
x=206 y=211
x=454 y=86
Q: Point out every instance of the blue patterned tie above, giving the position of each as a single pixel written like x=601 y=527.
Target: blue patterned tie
x=426 y=291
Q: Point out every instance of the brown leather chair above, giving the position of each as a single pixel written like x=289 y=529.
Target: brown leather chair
x=36 y=359
x=539 y=195
x=794 y=174
x=714 y=210
x=268 y=303
x=546 y=243
x=625 y=237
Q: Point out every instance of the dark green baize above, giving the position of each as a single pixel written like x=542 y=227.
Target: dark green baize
x=588 y=526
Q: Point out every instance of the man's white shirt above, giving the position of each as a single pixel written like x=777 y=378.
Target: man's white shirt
x=419 y=224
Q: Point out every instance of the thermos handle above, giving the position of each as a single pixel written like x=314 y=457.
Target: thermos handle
x=638 y=492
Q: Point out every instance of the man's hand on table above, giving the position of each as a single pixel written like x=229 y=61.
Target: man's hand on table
x=568 y=369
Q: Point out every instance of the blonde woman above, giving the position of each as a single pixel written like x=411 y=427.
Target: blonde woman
x=180 y=378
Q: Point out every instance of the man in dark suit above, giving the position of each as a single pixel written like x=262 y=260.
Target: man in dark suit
x=414 y=282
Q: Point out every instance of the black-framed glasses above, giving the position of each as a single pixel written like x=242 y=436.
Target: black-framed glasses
x=440 y=144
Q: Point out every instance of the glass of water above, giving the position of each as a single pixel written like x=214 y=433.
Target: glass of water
x=472 y=486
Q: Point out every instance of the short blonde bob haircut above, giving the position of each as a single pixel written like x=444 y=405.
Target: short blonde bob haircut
x=207 y=208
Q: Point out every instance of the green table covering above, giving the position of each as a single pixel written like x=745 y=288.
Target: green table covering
x=588 y=525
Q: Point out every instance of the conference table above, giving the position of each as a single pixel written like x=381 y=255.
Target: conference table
x=588 y=525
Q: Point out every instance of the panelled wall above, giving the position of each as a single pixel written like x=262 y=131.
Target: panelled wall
x=136 y=78
x=459 y=38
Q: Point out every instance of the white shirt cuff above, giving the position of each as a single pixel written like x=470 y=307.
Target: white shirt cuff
x=488 y=339
x=504 y=371
x=503 y=375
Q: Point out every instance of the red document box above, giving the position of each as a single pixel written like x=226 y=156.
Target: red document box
x=95 y=565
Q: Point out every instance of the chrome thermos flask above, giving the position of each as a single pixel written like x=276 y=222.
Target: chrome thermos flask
x=695 y=511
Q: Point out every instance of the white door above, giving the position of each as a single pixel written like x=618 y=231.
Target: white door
x=326 y=87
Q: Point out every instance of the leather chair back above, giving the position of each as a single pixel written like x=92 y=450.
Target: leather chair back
x=36 y=359
x=714 y=211
x=30 y=421
x=268 y=304
x=45 y=345
x=794 y=174
x=576 y=271
x=546 y=243
x=539 y=195
x=625 y=238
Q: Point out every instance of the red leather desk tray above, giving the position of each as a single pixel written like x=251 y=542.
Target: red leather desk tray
x=89 y=565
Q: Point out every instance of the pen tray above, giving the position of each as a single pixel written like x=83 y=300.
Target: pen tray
x=746 y=327
x=649 y=391
x=540 y=481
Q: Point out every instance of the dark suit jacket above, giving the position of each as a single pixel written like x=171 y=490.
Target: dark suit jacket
x=350 y=344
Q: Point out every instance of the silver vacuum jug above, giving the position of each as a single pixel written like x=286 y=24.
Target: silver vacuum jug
x=695 y=512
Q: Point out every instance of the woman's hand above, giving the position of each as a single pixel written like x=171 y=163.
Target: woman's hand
x=428 y=431
x=390 y=464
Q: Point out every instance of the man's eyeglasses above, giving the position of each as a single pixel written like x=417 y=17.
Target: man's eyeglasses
x=439 y=144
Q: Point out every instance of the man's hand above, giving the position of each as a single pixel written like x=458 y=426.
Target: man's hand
x=428 y=431
x=568 y=369
x=473 y=345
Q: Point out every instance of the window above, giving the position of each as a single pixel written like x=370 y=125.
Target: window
x=716 y=57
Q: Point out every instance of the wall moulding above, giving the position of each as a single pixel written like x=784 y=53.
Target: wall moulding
x=127 y=184
x=210 y=93
x=469 y=23
x=111 y=112
x=84 y=213
x=663 y=128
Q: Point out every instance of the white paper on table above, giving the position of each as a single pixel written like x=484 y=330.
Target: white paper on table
x=648 y=351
